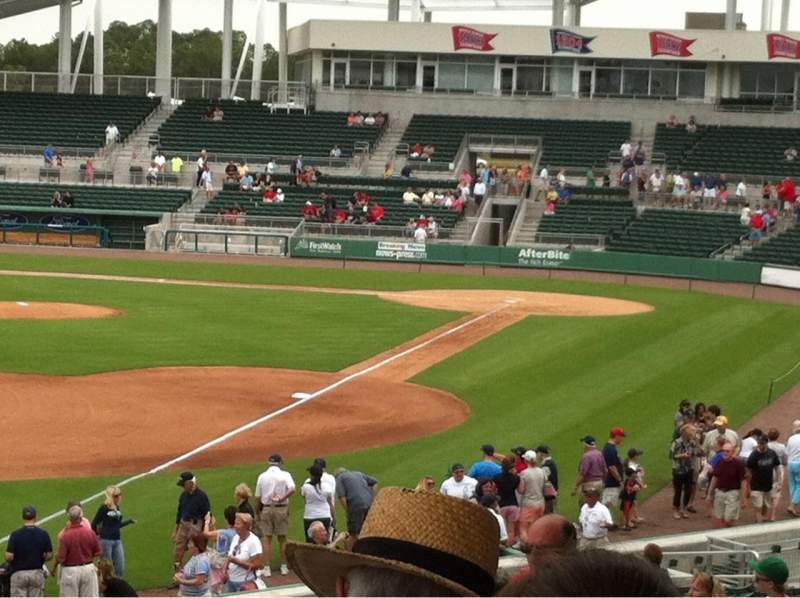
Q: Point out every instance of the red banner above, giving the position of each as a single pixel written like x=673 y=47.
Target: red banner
x=781 y=46
x=670 y=45
x=467 y=38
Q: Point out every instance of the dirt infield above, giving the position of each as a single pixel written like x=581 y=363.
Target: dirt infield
x=22 y=310
x=376 y=408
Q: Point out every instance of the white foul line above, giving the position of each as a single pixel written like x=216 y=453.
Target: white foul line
x=273 y=414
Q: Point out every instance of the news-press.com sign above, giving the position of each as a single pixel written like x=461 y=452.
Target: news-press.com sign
x=12 y=221
x=542 y=258
x=399 y=250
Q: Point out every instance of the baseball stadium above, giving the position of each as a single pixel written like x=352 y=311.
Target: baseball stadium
x=426 y=243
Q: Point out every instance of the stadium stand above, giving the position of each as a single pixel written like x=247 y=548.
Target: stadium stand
x=575 y=143
x=65 y=120
x=583 y=215
x=250 y=128
x=396 y=212
x=676 y=232
x=731 y=150
x=30 y=195
x=783 y=248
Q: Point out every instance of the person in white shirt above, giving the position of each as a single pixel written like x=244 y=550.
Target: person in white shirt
x=409 y=196
x=280 y=196
x=656 y=181
x=678 y=189
x=201 y=166
x=327 y=479
x=479 y=191
x=626 y=148
x=244 y=555
x=741 y=190
x=420 y=235
x=595 y=520
x=160 y=161
x=459 y=485
x=749 y=443
x=336 y=152
x=777 y=487
x=544 y=175
x=793 y=464
x=112 y=134
x=561 y=178
x=433 y=228
x=490 y=503
x=273 y=489
x=319 y=500
x=272 y=166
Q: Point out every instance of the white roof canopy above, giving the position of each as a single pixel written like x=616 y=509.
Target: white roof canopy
x=441 y=5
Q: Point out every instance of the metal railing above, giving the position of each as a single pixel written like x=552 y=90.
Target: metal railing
x=244 y=222
x=370 y=231
x=214 y=240
x=140 y=85
x=513 y=142
x=570 y=240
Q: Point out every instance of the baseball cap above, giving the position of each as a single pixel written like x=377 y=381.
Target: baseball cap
x=616 y=431
x=529 y=456
x=634 y=452
x=773 y=568
x=487 y=500
x=588 y=440
x=275 y=458
x=456 y=466
x=488 y=449
x=519 y=450
x=763 y=439
x=186 y=476
x=543 y=448
x=29 y=512
x=721 y=421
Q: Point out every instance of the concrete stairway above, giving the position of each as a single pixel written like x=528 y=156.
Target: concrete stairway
x=746 y=246
x=136 y=150
x=461 y=232
x=530 y=224
x=384 y=151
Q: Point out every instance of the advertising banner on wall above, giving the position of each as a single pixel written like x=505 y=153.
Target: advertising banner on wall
x=782 y=46
x=467 y=38
x=666 y=44
x=562 y=40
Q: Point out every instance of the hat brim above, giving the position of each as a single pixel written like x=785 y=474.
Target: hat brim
x=319 y=567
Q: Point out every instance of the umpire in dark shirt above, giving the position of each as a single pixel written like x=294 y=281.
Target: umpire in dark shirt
x=192 y=508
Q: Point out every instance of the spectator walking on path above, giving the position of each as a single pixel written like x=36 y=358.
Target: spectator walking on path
x=615 y=472
x=721 y=429
x=28 y=550
x=107 y=523
x=777 y=489
x=507 y=484
x=78 y=547
x=531 y=490
x=793 y=465
x=551 y=469
x=684 y=453
x=764 y=468
x=487 y=467
x=728 y=488
x=356 y=491
x=244 y=556
x=273 y=489
x=319 y=501
x=195 y=576
x=595 y=520
x=592 y=470
x=193 y=505
x=459 y=485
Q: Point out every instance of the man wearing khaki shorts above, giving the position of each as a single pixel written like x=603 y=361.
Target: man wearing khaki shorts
x=728 y=489
x=764 y=467
x=273 y=489
x=193 y=505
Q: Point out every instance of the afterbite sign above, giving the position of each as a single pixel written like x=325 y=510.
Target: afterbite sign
x=467 y=38
x=666 y=44
x=562 y=40
x=782 y=46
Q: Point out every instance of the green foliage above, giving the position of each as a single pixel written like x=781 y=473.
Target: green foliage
x=130 y=49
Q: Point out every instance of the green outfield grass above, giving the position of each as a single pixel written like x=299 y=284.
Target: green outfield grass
x=543 y=380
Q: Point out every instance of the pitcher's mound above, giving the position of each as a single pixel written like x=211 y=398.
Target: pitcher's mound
x=23 y=310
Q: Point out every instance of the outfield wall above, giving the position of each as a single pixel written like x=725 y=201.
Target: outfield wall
x=523 y=257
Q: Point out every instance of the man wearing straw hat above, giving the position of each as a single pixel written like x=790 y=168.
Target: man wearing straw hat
x=412 y=544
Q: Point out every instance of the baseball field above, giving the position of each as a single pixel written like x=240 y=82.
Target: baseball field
x=402 y=374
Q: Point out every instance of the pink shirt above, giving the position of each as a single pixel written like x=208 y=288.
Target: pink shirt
x=593 y=466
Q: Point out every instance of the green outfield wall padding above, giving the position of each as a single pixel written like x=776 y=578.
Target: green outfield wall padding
x=403 y=250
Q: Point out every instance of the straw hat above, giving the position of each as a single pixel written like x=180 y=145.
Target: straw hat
x=451 y=542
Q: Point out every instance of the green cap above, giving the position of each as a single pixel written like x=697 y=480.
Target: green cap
x=773 y=568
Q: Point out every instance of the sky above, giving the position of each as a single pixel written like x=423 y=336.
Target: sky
x=42 y=25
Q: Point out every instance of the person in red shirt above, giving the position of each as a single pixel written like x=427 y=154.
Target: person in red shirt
x=340 y=217
x=756 y=226
x=416 y=150
x=422 y=222
x=270 y=195
x=376 y=212
x=519 y=464
x=77 y=549
x=728 y=488
x=310 y=211
x=787 y=193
